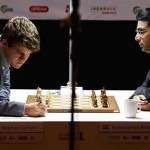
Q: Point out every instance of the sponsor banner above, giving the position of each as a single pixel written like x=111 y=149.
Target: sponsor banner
x=126 y=137
x=122 y=127
x=34 y=9
x=20 y=138
x=21 y=132
x=111 y=9
x=88 y=9
x=86 y=135
x=125 y=132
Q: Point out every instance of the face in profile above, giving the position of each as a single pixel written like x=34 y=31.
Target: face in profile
x=15 y=55
x=143 y=35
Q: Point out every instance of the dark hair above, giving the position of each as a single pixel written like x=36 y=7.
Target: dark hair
x=144 y=15
x=20 y=30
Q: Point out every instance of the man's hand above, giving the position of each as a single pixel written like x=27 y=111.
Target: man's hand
x=145 y=106
x=36 y=109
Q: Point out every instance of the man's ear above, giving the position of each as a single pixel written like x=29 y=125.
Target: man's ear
x=4 y=42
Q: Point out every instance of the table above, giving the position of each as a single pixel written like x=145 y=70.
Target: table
x=91 y=131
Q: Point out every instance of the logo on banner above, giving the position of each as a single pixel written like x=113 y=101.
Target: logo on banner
x=39 y=9
x=136 y=10
x=104 y=9
x=67 y=9
x=4 y=9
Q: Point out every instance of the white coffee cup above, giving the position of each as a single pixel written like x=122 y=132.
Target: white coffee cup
x=131 y=108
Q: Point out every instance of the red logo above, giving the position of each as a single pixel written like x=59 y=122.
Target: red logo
x=39 y=8
x=67 y=9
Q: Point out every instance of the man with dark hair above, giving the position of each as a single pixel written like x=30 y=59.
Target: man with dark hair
x=142 y=93
x=18 y=40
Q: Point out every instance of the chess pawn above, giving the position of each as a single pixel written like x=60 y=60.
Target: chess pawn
x=103 y=93
x=94 y=99
x=48 y=97
x=38 y=96
x=68 y=84
x=95 y=103
x=104 y=101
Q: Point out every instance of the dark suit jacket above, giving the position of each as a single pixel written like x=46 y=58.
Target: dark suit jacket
x=144 y=89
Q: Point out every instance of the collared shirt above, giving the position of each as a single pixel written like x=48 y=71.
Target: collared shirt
x=4 y=77
x=7 y=107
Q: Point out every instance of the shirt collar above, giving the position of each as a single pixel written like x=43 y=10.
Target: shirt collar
x=3 y=60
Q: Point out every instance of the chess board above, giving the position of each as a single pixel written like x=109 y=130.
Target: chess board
x=81 y=104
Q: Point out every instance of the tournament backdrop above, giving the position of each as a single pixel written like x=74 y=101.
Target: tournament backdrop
x=115 y=17
x=58 y=9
